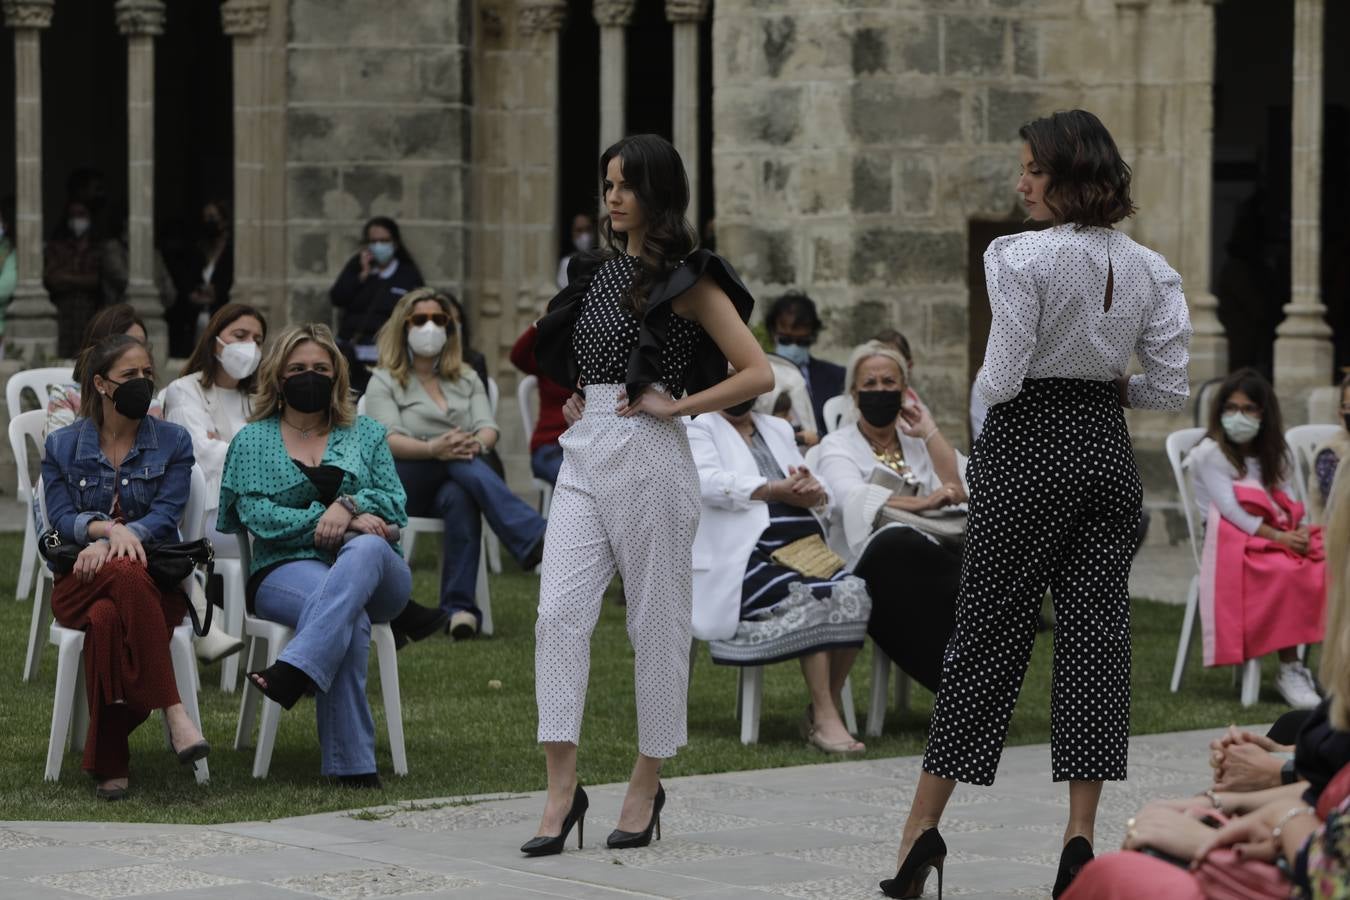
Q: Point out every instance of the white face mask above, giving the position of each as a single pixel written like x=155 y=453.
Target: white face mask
x=583 y=242
x=1240 y=427
x=240 y=359
x=78 y=226
x=428 y=340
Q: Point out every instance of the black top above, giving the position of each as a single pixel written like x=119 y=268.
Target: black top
x=657 y=329
x=606 y=332
x=366 y=305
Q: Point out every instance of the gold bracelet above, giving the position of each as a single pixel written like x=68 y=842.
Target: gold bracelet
x=930 y=435
x=1292 y=814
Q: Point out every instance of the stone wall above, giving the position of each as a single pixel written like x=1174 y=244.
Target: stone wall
x=377 y=124
x=855 y=142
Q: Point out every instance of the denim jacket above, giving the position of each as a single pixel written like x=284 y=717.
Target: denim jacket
x=79 y=483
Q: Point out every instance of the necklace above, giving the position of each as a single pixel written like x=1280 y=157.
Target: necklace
x=891 y=459
x=305 y=433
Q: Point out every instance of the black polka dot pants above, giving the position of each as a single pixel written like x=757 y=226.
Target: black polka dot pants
x=626 y=500
x=1055 y=500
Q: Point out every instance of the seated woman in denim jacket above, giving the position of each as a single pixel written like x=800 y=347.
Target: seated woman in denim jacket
x=301 y=475
x=440 y=425
x=114 y=480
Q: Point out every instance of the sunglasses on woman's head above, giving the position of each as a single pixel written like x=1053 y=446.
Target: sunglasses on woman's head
x=440 y=320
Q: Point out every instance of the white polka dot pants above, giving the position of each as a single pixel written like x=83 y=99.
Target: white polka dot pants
x=626 y=500
x=1054 y=503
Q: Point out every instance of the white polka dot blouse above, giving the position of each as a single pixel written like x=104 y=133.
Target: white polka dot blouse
x=1051 y=318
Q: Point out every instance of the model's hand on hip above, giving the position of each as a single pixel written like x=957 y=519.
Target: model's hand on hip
x=651 y=401
x=573 y=409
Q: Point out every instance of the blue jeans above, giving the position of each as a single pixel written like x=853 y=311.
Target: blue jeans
x=331 y=609
x=461 y=493
x=546 y=461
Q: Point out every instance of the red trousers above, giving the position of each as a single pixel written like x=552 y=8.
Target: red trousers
x=127 y=621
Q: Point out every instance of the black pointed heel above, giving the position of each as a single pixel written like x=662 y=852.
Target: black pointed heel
x=928 y=853
x=627 y=840
x=285 y=683
x=544 y=845
x=1077 y=853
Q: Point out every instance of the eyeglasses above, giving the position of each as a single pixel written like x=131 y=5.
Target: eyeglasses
x=803 y=341
x=440 y=320
x=1248 y=409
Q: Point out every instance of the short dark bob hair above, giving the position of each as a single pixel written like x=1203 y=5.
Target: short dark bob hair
x=1089 y=182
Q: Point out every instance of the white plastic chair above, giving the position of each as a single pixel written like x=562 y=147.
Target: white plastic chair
x=1303 y=441
x=492 y=545
x=37 y=381
x=42 y=611
x=23 y=428
x=266 y=640
x=750 y=701
x=233 y=577
x=881 y=676
x=70 y=714
x=834 y=410
x=527 y=398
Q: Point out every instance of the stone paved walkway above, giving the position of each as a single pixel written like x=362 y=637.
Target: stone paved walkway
x=824 y=831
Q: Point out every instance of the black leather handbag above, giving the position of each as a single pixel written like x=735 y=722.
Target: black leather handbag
x=168 y=563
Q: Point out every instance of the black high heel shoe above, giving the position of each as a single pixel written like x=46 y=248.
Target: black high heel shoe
x=627 y=840
x=283 y=683
x=417 y=622
x=928 y=853
x=544 y=845
x=1077 y=853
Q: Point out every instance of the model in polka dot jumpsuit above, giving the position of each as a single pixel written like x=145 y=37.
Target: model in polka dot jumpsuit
x=1055 y=501
x=626 y=500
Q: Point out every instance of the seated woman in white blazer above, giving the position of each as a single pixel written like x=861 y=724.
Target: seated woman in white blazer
x=759 y=497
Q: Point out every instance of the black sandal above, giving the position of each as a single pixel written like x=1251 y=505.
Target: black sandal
x=417 y=622
x=282 y=683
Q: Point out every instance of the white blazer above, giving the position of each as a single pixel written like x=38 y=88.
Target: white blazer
x=731 y=523
x=204 y=412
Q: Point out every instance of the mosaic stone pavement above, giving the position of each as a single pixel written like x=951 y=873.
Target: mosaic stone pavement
x=823 y=831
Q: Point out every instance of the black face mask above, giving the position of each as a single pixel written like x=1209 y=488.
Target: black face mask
x=212 y=229
x=880 y=408
x=307 y=392
x=741 y=408
x=132 y=397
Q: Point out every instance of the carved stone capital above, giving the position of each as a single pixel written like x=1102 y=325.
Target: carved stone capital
x=613 y=13
x=244 y=18
x=28 y=13
x=686 y=10
x=140 y=17
x=539 y=16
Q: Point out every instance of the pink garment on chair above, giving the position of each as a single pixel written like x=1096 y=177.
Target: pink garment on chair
x=1127 y=875
x=1256 y=595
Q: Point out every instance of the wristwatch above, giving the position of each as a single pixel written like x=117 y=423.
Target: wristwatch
x=1287 y=773
x=347 y=502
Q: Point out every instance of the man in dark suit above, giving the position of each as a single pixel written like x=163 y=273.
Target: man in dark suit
x=793 y=325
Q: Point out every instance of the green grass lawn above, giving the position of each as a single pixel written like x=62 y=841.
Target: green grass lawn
x=465 y=736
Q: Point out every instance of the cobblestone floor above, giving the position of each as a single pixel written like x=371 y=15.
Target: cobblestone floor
x=825 y=831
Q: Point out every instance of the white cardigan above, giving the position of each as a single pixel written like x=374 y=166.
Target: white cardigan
x=203 y=411
x=731 y=523
x=844 y=461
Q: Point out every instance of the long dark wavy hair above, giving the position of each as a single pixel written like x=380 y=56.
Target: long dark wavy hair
x=653 y=169
x=1268 y=446
x=1089 y=181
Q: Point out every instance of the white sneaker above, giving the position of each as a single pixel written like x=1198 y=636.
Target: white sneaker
x=1295 y=684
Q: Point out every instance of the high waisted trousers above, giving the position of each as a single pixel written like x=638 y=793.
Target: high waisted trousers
x=627 y=500
x=1054 y=503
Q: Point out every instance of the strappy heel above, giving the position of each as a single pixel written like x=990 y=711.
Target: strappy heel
x=928 y=853
x=544 y=845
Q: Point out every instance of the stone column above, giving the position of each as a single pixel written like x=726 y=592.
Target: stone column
x=245 y=21
x=31 y=320
x=539 y=24
x=685 y=16
x=142 y=21
x=1209 y=345
x=1303 y=351
x=613 y=17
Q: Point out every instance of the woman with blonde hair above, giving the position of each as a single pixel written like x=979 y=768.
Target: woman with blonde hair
x=440 y=423
x=315 y=486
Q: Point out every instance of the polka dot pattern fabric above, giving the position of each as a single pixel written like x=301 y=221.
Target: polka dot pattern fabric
x=1048 y=292
x=606 y=333
x=627 y=500
x=1055 y=499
